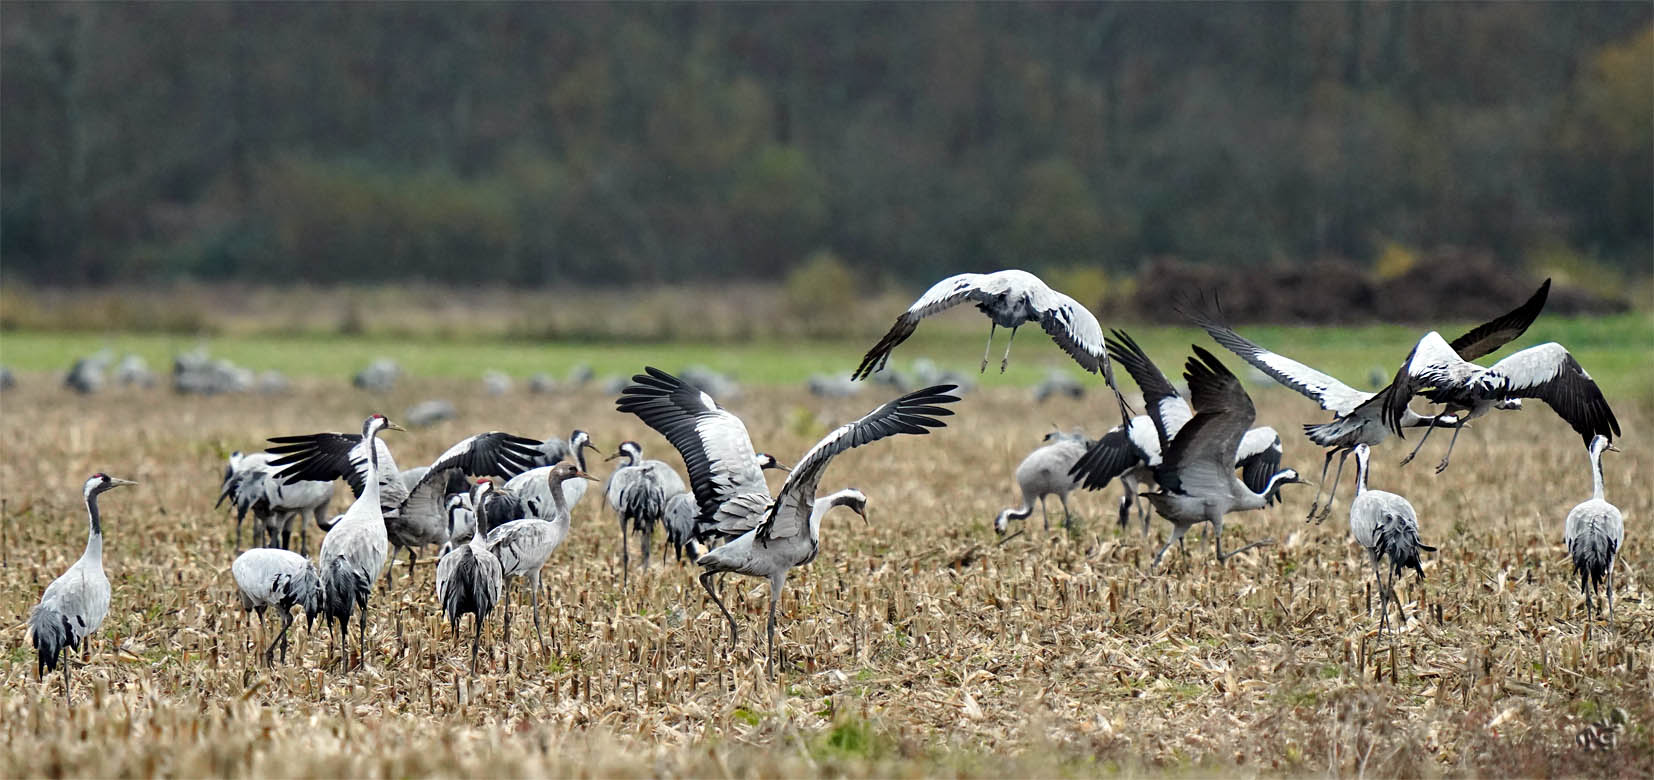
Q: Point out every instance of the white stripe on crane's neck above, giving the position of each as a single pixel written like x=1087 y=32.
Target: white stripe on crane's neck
x=94 y=537
x=1362 y=452
x=370 y=437
x=1598 y=444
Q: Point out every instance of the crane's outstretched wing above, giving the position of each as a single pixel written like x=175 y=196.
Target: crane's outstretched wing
x=329 y=456
x=914 y=413
x=1108 y=458
x=1550 y=373
x=1495 y=333
x=1201 y=458
x=1072 y=326
x=723 y=469
x=1331 y=394
x=492 y=454
x=941 y=296
x=1164 y=406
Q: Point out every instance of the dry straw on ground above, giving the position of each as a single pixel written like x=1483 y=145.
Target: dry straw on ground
x=913 y=645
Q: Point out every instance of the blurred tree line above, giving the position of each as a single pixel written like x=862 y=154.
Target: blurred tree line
x=618 y=143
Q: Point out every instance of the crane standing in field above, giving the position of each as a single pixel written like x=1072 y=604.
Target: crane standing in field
x=1594 y=533
x=278 y=578
x=1358 y=416
x=638 y=491
x=1010 y=299
x=1387 y=527
x=769 y=536
x=523 y=546
x=354 y=550
x=1044 y=472
x=75 y=604
x=468 y=580
x=251 y=484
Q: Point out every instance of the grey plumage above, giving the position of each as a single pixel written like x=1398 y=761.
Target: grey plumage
x=468 y=581
x=1594 y=531
x=252 y=485
x=75 y=604
x=281 y=579
x=638 y=491
x=523 y=546
x=1387 y=527
x=1045 y=472
x=354 y=550
x=769 y=537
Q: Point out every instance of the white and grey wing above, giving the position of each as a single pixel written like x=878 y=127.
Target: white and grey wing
x=941 y=296
x=1550 y=373
x=1165 y=407
x=1430 y=364
x=713 y=442
x=915 y=413
x=1072 y=326
x=1331 y=394
x=492 y=454
x=1108 y=458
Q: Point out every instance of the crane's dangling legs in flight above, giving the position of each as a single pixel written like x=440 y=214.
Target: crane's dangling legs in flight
x=1007 y=359
x=989 y=348
x=1417 y=447
x=1442 y=466
x=1326 y=509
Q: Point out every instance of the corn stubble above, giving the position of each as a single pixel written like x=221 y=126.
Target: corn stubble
x=913 y=645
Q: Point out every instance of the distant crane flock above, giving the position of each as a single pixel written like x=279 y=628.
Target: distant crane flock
x=499 y=506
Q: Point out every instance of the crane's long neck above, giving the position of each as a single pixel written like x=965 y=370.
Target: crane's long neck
x=562 y=513
x=1596 y=474
x=370 y=490
x=1360 y=471
x=94 y=538
x=580 y=456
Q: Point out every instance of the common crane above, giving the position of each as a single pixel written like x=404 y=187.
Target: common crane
x=1197 y=473
x=1435 y=370
x=251 y=484
x=1010 y=299
x=1387 y=527
x=75 y=604
x=1357 y=415
x=523 y=546
x=1134 y=451
x=468 y=580
x=1594 y=533
x=415 y=513
x=281 y=579
x=769 y=536
x=354 y=550
x=1045 y=472
x=681 y=510
x=637 y=491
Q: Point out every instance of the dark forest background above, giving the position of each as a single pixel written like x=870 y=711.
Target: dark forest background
x=645 y=143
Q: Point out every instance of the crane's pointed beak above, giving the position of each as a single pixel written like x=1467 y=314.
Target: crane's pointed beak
x=1612 y=448
x=611 y=457
x=587 y=445
x=789 y=469
x=116 y=482
x=390 y=426
x=864 y=517
x=584 y=475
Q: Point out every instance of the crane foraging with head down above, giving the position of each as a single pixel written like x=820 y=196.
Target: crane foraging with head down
x=1594 y=532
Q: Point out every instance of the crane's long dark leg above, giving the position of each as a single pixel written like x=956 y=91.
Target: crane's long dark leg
x=476 y=640
x=1217 y=539
x=1067 y=517
x=775 y=596
x=362 y=639
x=1007 y=359
x=270 y=652
x=648 y=544
x=1125 y=509
x=706 y=582
x=1177 y=536
x=1458 y=426
x=534 y=599
x=1609 y=593
x=1338 y=476
x=1585 y=588
x=986 y=350
x=625 y=554
x=1420 y=445
x=390 y=570
x=1320 y=486
x=413 y=556
x=1043 y=514
x=1383 y=595
x=505 y=595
